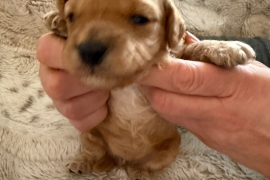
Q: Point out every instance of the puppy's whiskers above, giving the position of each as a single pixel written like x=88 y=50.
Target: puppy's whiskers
x=144 y=54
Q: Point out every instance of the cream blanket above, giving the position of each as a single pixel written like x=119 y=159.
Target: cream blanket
x=36 y=141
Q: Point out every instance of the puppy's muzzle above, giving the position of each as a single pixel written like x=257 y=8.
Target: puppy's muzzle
x=92 y=52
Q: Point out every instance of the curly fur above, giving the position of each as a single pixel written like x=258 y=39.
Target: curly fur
x=132 y=135
x=36 y=141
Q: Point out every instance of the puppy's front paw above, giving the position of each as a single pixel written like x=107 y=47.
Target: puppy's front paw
x=55 y=23
x=231 y=53
x=137 y=173
x=80 y=165
x=85 y=164
x=221 y=53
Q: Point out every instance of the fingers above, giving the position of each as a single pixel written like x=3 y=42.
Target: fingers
x=83 y=105
x=58 y=84
x=194 y=78
x=85 y=111
x=177 y=108
x=49 y=50
x=90 y=121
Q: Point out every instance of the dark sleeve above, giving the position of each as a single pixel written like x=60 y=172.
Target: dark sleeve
x=261 y=46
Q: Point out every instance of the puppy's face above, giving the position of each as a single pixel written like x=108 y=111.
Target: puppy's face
x=112 y=42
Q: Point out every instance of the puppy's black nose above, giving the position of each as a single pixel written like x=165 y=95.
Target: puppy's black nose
x=92 y=52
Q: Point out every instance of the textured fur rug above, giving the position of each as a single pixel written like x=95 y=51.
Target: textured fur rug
x=36 y=141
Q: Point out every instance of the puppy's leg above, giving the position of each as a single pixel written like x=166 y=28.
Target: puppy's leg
x=94 y=157
x=137 y=172
x=84 y=164
x=221 y=53
x=163 y=155
x=55 y=23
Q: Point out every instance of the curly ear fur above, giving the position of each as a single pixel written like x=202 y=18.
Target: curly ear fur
x=55 y=20
x=175 y=26
x=61 y=6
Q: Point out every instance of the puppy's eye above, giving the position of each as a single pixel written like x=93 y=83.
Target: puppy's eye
x=70 y=17
x=139 y=20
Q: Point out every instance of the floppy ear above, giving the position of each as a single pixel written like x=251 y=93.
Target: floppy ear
x=61 y=7
x=55 y=20
x=175 y=26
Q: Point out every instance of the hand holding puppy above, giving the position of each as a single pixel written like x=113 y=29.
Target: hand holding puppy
x=228 y=109
x=83 y=106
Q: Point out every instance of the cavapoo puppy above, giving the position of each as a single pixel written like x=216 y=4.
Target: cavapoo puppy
x=112 y=43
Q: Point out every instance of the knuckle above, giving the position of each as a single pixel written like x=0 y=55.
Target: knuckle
x=102 y=96
x=160 y=101
x=187 y=81
x=80 y=126
x=52 y=87
x=70 y=111
x=40 y=51
x=40 y=54
x=103 y=111
x=91 y=120
x=42 y=48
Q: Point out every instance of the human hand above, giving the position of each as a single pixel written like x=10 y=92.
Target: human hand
x=83 y=106
x=227 y=109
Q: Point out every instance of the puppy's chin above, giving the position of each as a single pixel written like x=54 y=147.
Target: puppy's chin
x=110 y=81
x=124 y=61
x=114 y=72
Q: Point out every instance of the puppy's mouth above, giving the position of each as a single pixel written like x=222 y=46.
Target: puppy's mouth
x=108 y=63
x=95 y=64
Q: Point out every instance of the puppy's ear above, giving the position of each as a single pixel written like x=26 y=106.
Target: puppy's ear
x=55 y=20
x=175 y=26
x=61 y=7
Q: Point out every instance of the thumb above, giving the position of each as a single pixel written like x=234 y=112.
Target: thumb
x=193 y=78
x=49 y=50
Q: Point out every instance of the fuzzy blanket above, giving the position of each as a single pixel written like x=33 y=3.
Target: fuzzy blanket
x=36 y=141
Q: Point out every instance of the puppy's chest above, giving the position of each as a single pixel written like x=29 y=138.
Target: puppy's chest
x=130 y=109
x=129 y=124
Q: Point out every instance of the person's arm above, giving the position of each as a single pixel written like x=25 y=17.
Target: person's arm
x=228 y=109
x=83 y=106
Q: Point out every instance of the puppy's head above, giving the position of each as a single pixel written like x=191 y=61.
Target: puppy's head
x=112 y=42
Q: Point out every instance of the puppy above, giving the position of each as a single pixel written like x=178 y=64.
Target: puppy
x=110 y=45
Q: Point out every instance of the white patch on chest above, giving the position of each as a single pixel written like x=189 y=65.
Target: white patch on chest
x=131 y=108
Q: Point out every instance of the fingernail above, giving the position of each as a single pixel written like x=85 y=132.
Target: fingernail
x=194 y=38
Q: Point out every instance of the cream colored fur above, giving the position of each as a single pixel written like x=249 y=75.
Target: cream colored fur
x=35 y=141
x=108 y=49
